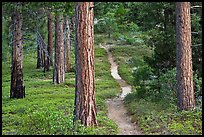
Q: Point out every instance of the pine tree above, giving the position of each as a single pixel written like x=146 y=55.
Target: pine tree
x=85 y=102
x=185 y=91
x=17 y=89
x=59 y=72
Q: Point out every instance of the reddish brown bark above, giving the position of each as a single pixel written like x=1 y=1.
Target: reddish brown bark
x=17 y=89
x=85 y=102
x=59 y=72
x=185 y=89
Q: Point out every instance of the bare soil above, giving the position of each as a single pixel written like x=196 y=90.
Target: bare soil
x=116 y=109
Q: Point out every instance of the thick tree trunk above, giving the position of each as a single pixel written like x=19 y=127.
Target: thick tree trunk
x=50 y=42
x=185 y=89
x=17 y=89
x=85 y=102
x=59 y=72
x=67 y=44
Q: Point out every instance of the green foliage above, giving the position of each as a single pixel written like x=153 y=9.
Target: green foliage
x=126 y=57
x=6 y=47
x=48 y=108
x=146 y=82
x=198 y=85
x=48 y=122
x=110 y=129
x=142 y=75
x=105 y=86
x=106 y=24
x=146 y=26
x=162 y=117
x=155 y=112
x=158 y=31
x=167 y=83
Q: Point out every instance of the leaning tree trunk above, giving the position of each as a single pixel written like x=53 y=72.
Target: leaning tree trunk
x=39 y=53
x=50 y=42
x=42 y=53
x=40 y=39
x=85 y=102
x=185 y=89
x=59 y=72
x=67 y=44
x=17 y=89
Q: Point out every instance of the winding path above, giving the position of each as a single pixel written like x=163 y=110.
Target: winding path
x=116 y=109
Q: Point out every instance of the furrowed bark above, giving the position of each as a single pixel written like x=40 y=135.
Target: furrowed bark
x=185 y=91
x=17 y=89
x=85 y=102
x=59 y=72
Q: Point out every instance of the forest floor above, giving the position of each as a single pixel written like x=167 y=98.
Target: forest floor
x=116 y=109
x=47 y=108
x=153 y=114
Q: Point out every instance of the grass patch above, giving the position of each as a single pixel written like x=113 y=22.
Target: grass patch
x=124 y=56
x=162 y=117
x=48 y=108
x=153 y=116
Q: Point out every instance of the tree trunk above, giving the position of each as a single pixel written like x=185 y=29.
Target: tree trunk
x=40 y=39
x=59 y=72
x=39 y=53
x=67 y=44
x=42 y=53
x=46 y=68
x=85 y=102
x=17 y=89
x=50 y=43
x=185 y=91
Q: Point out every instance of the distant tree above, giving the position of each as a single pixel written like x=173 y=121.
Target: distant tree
x=185 y=90
x=50 y=41
x=17 y=89
x=85 y=102
x=40 y=39
x=59 y=72
x=40 y=53
x=67 y=44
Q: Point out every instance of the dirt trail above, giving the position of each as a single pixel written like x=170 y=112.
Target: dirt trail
x=116 y=109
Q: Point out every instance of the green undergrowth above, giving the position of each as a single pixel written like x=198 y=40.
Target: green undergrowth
x=124 y=56
x=153 y=113
x=162 y=117
x=48 y=108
